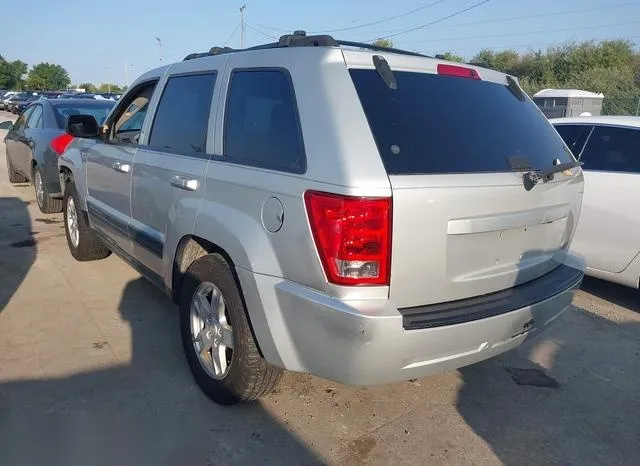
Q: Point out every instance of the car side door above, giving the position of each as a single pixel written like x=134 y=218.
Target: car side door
x=15 y=142
x=32 y=128
x=607 y=233
x=109 y=166
x=169 y=171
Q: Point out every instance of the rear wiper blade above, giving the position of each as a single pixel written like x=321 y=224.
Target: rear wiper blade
x=531 y=178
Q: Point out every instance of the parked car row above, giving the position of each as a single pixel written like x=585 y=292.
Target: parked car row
x=325 y=207
x=16 y=102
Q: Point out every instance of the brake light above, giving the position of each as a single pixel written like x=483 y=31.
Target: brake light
x=60 y=143
x=352 y=236
x=458 y=71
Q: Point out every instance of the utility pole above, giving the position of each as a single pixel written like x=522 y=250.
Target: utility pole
x=242 y=26
x=159 y=48
x=126 y=73
x=638 y=106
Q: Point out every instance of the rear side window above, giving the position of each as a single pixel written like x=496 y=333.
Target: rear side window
x=574 y=136
x=613 y=149
x=182 y=117
x=35 y=120
x=441 y=124
x=261 y=124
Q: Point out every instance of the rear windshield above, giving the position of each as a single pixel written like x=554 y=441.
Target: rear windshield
x=440 y=124
x=99 y=111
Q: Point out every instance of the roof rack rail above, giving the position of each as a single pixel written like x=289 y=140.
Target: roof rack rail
x=378 y=48
x=301 y=39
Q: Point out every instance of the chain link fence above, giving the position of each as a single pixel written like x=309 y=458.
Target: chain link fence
x=621 y=105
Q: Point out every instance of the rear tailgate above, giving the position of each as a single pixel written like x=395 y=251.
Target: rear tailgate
x=463 y=223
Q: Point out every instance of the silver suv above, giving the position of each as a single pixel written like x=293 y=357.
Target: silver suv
x=367 y=215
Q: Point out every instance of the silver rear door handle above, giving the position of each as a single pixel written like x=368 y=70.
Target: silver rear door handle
x=184 y=183
x=121 y=167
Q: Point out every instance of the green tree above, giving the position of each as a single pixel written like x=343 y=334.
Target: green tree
x=452 y=57
x=48 y=76
x=88 y=87
x=11 y=73
x=383 y=43
x=106 y=87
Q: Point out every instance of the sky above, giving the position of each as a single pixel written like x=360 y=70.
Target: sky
x=117 y=41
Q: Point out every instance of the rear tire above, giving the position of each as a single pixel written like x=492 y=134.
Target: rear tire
x=46 y=203
x=14 y=176
x=83 y=243
x=246 y=375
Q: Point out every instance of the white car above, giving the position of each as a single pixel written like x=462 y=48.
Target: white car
x=608 y=233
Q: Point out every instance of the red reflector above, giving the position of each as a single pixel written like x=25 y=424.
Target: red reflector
x=352 y=236
x=60 y=143
x=458 y=71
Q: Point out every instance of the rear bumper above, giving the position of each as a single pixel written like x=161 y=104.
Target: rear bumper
x=365 y=343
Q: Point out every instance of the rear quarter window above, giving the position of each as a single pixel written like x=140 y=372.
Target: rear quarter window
x=262 y=126
x=441 y=124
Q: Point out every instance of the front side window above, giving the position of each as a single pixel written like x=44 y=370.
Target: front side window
x=261 y=123
x=182 y=118
x=613 y=149
x=128 y=120
x=574 y=136
x=35 y=119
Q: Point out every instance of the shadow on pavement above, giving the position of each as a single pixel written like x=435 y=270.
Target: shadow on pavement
x=148 y=411
x=17 y=246
x=596 y=364
x=623 y=296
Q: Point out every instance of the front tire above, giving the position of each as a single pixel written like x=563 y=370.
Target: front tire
x=82 y=242
x=217 y=339
x=46 y=203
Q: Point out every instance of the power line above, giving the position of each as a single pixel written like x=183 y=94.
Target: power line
x=383 y=20
x=360 y=26
x=541 y=15
x=268 y=36
x=231 y=35
x=436 y=21
x=524 y=33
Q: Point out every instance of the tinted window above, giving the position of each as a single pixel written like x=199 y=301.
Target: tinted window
x=261 y=123
x=444 y=124
x=99 y=111
x=35 y=119
x=182 y=117
x=574 y=136
x=613 y=149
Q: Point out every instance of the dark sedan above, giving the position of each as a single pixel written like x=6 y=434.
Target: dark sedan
x=22 y=104
x=30 y=153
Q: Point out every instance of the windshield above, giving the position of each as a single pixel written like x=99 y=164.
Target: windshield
x=442 y=124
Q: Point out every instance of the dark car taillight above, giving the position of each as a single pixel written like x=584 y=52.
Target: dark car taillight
x=352 y=236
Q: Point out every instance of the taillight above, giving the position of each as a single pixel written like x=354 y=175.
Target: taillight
x=353 y=237
x=60 y=143
x=458 y=71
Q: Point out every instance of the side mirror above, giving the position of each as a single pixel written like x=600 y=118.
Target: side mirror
x=82 y=126
x=8 y=125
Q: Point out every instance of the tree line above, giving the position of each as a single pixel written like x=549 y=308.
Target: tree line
x=609 y=67
x=16 y=75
